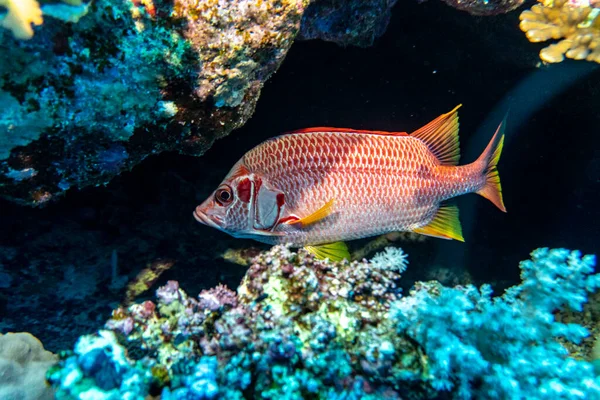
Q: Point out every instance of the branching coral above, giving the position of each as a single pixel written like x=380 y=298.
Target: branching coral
x=507 y=347
x=576 y=22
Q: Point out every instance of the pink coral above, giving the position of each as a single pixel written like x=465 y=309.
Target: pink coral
x=217 y=297
x=168 y=293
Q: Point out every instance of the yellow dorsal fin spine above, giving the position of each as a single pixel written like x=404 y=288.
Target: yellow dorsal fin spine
x=441 y=136
x=492 y=190
x=336 y=251
x=316 y=216
x=445 y=225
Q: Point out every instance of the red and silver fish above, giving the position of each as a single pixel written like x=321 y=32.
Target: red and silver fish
x=321 y=186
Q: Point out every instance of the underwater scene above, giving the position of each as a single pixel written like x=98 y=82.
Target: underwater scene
x=272 y=199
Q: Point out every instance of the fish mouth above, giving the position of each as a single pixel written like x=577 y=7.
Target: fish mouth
x=203 y=219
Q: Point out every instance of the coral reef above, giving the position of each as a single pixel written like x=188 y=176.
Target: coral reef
x=23 y=366
x=297 y=327
x=22 y=14
x=82 y=102
x=383 y=241
x=229 y=37
x=469 y=337
x=575 y=23
x=354 y=22
x=300 y=327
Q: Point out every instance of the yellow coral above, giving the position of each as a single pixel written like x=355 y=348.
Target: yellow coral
x=576 y=22
x=21 y=14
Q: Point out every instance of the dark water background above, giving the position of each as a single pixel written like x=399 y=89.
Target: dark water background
x=431 y=58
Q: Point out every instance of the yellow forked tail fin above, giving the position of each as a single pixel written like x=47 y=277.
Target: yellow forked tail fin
x=492 y=190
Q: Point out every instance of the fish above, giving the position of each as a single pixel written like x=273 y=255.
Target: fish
x=320 y=187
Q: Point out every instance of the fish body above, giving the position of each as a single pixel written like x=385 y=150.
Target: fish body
x=323 y=185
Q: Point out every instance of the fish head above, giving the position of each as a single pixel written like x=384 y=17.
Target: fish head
x=243 y=205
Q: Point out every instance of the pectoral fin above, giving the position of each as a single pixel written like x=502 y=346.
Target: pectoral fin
x=316 y=216
x=336 y=251
x=444 y=225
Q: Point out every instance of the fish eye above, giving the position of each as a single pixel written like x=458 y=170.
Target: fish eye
x=224 y=195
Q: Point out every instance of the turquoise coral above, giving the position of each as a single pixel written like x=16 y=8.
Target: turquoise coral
x=483 y=347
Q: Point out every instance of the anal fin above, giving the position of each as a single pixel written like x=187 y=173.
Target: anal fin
x=444 y=225
x=336 y=251
x=316 y=216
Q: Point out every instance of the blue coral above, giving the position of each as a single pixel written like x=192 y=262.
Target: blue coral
x=483 y=347
x=100 y=369
x=203 y=383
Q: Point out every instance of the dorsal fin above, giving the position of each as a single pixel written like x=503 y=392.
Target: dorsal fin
x=345 y=130
x=441 y=136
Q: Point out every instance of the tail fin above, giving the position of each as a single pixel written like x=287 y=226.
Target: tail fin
x=489 y=159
